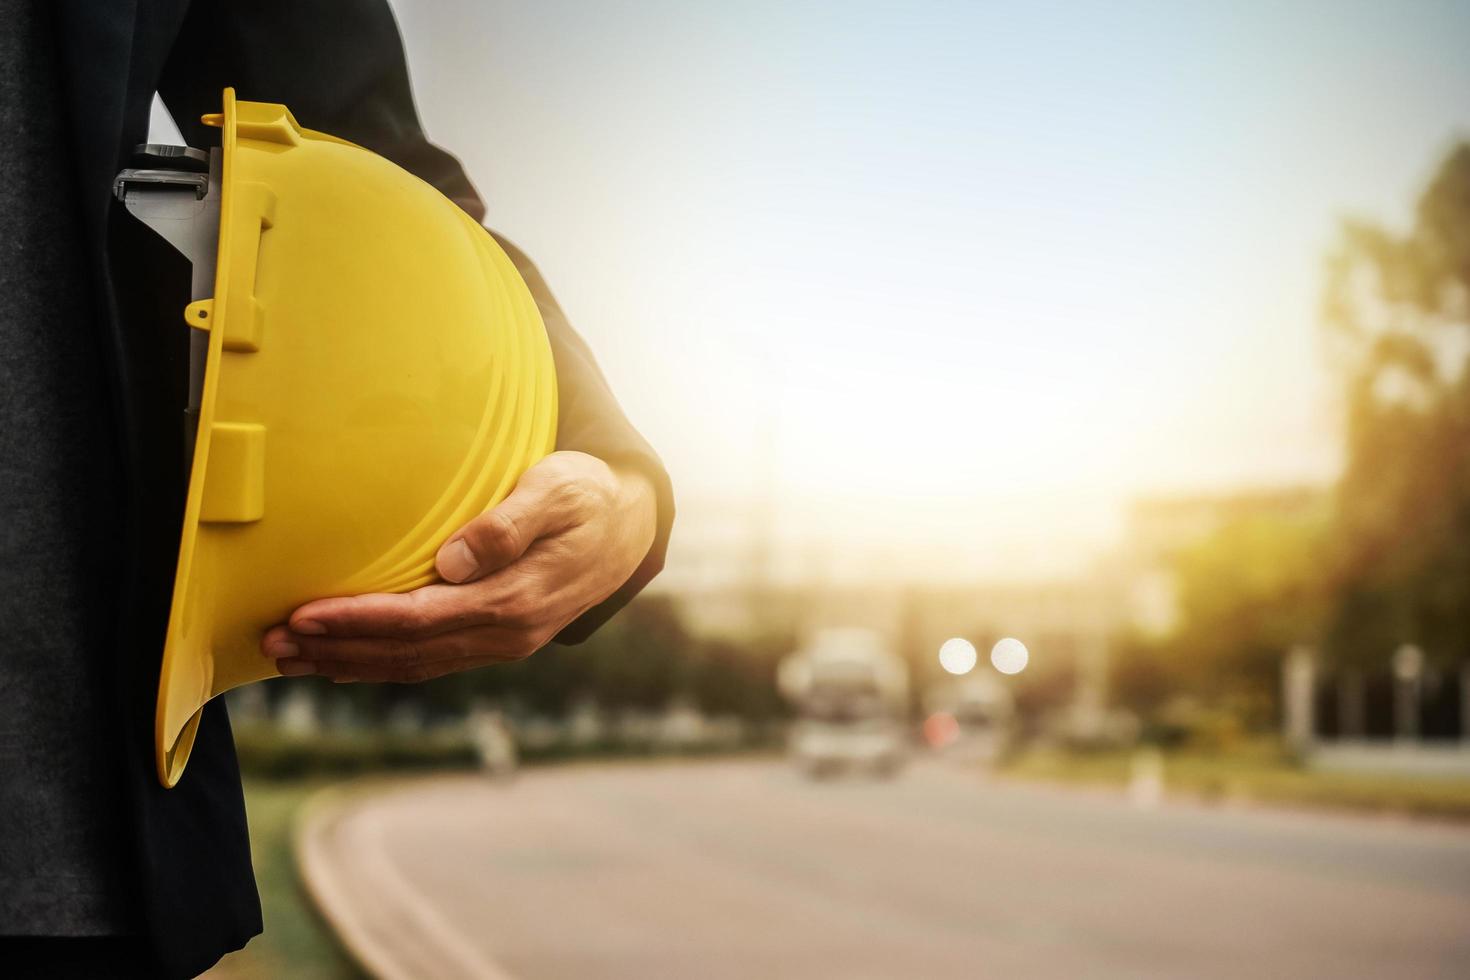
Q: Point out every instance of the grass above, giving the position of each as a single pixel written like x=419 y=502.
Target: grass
x=1258 y=773
x=268 y=754
x=296 y=942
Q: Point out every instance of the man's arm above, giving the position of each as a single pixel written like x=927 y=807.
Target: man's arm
x=590 y=421
x=340 y=66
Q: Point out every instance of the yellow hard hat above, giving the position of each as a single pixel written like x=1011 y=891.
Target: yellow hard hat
x=374 y=374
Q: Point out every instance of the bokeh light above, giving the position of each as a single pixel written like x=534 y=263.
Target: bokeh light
x=941 y=729
x=1009 y=656
x=958 y=655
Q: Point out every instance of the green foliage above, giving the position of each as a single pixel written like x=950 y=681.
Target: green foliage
x=640 y=660
x=1048 y=685
x=1389 y=561
x=739 y=679
x=1245 y=593
x=267 y=752
x=1398 y=315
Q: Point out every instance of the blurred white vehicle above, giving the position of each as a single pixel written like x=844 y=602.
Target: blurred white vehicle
x=850 y=692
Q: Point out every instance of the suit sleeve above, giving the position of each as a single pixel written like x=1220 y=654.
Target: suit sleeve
x=340 y=66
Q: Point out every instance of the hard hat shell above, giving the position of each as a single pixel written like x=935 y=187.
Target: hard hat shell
x=377 y=374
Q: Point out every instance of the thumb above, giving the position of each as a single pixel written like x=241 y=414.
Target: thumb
x=495 y=538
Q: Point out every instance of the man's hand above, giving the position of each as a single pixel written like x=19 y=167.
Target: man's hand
x=573 y=530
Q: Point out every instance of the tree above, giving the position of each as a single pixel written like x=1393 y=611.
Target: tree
x=1390 y=563
x=1247 y=592
x=1397 y=310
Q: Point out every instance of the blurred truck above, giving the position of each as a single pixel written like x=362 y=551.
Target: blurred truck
x=850 y=692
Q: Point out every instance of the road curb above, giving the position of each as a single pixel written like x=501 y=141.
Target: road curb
x=388 y=929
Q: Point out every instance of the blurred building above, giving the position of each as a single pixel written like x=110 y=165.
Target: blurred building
x=731 y=579
x=731 y=576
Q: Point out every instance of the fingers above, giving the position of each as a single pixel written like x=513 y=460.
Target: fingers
x=521 y=571
x=518 y=598
x=405 y=659
x=550 y=497
x=352 y=673
x=430 y=610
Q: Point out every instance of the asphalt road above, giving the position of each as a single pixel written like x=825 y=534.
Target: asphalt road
x=744 y=869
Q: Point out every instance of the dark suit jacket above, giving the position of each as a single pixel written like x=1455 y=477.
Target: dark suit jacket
x=339 y=65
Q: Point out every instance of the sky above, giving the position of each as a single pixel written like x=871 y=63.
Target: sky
x=948 y=283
